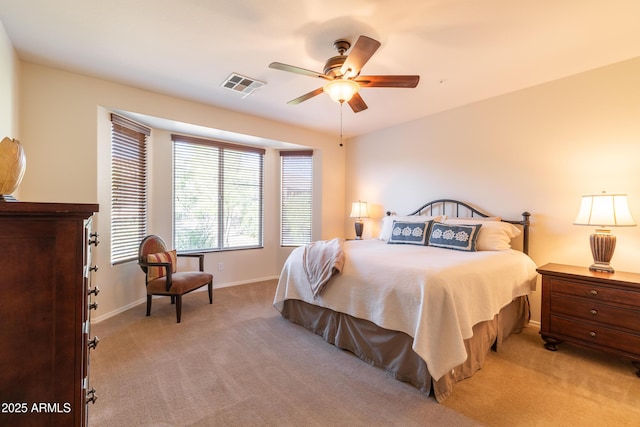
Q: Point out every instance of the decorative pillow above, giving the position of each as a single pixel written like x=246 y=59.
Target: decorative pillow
x=157 y=271
x=493 y=236
x=387 y=222
x=411 y=233
x=460 y=237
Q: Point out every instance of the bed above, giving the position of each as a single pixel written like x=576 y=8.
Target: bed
x=425 y=301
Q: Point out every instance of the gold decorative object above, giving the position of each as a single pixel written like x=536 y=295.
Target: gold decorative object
x=12 y=166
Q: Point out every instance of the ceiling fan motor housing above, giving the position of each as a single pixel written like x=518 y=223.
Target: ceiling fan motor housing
x=334 y=64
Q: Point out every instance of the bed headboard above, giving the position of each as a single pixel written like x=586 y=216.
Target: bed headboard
x=456 y=208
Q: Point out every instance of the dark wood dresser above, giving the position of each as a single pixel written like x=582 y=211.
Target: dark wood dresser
x=593 y=309
x=46 y=296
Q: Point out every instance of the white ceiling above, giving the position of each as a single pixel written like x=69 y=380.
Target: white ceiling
x=464 y=51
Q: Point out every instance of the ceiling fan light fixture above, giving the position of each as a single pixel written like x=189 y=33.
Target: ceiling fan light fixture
x=341 y=90
x=340 y=73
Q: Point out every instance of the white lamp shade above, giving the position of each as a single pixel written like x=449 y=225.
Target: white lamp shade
x=359 y=210
x=341 y=90
x=606 y=210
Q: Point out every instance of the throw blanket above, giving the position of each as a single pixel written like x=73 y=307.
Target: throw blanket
x=321 y=260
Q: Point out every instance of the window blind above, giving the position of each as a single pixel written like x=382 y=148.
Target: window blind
x=218 y=195
x=128 y=188
x=296 y=198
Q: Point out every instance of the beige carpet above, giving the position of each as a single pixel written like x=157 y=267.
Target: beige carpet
x=238 y=363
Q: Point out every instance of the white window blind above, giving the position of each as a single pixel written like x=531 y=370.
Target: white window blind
x=296 y=197
x=218 y=195
x=128 y=188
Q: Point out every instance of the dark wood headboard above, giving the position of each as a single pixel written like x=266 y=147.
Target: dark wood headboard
x=456 y=208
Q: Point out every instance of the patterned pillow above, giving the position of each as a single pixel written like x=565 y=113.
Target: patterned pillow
x=387 y=222
x=494 y=235
x=461 y=237
x=156 y=272
x=411 y=233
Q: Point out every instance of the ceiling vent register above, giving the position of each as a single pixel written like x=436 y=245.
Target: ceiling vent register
x=242 y=84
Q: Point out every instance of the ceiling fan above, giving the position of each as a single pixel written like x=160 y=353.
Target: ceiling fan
x=342 y=73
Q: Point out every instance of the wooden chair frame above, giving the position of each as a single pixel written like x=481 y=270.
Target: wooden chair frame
x=176 y=297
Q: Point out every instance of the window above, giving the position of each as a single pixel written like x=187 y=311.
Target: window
x=218 y=195
x=296 y=197
x=128 y=188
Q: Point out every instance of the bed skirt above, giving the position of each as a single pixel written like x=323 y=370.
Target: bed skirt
x=391 y=350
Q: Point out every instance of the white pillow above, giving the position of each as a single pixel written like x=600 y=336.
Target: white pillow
x=477 y=218
x=493 y=236
x=387 y=222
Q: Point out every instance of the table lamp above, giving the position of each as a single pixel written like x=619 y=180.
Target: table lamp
x=603 y=211
x=359 y=210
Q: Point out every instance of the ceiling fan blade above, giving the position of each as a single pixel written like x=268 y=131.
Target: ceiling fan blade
x=357 y=104
x=306 y=96
x=363 y=50
x=388 y=81
x=297 y=70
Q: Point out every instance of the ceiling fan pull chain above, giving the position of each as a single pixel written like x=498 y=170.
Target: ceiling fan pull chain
x=341 y=104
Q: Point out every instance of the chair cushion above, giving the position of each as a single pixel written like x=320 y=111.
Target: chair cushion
x=156 y=272
x=181 y=283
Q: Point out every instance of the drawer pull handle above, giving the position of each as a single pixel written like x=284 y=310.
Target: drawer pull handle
x=593 y=334
x=594 y=311
x=93 y=343
x=95 y=290
x=593 y=292
x=93 y=306
x=92 y=396
x=93 y=239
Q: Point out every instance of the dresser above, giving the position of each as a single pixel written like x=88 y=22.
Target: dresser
x=593 y=309
x=46 y=299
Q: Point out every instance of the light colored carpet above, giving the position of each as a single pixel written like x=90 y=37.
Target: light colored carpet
x=238 y=363
x=526 y=385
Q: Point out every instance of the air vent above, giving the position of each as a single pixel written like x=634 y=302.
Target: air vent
x=241 y=84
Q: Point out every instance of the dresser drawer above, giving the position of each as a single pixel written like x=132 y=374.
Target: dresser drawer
x=596 y=311
x=595 y=292
x=596 y=334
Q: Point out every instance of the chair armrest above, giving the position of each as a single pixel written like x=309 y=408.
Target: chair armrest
x=167 y=269
x=195 y=255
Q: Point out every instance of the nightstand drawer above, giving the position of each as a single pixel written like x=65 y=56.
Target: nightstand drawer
x=591 y=308
x=595 y=312
x=596 y=293
x=595 y=334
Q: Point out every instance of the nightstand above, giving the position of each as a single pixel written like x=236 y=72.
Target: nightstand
x=591 y=309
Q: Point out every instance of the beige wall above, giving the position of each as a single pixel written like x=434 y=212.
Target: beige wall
x=9 y=84
x=65 y=130
x=538 y=149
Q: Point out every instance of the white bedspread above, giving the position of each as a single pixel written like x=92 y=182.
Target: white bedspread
x=434 y=295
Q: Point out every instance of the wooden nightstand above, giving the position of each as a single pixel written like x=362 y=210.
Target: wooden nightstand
x=592 y=309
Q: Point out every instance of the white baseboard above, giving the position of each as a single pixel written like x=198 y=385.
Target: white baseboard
x=535 y=323
x=122 y=309
x=112 y=313
x=243 y=282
